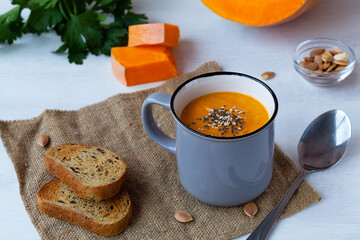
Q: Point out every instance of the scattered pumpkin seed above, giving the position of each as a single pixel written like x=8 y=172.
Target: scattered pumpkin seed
x=43 y=140
x=250 y=209
x=267 y=75
x=183 y=216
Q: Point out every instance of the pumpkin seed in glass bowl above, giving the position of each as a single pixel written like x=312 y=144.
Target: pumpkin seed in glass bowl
x=313 y=62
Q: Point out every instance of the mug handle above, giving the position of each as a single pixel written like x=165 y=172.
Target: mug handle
x=149 y=124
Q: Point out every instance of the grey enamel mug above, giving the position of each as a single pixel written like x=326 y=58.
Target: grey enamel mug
x=216 y=170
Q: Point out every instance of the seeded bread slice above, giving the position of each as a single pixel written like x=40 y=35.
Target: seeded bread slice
x=108 y=217
x=92 y=172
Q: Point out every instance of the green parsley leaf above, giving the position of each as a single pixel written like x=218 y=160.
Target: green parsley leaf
x=46 y=4
x=85 y=26
x=123 y=6
x=115 y=36
x=125 y=17
x=107 y=2
x=22 y=3
x=61 y=49
x=10 y=16
x=11 y=24
x=40 y=20
x=131 y=18
x=82 y=34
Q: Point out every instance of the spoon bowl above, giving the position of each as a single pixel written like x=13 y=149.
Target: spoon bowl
x=322 y=145
x=325 y=141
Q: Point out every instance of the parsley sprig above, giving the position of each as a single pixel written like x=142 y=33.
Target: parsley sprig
x=84 y=25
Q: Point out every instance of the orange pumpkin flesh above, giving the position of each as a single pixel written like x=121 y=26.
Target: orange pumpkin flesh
x=139 y=65
x=259 y=12
x=154 y=34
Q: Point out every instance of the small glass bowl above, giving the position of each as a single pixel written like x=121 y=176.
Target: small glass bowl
x=326 y=78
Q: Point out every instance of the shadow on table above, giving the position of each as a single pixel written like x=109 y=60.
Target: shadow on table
x=15 y=47
x=183 y=53
x=351 y=80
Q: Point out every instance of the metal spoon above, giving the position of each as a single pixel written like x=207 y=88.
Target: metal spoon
x=321 y=146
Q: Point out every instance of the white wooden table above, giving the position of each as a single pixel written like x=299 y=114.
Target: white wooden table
x=33 y=79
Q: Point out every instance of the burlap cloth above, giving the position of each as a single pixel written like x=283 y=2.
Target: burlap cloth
x=153 y=183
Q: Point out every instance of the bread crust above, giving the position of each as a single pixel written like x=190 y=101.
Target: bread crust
x=97 y=193
x=57 y=211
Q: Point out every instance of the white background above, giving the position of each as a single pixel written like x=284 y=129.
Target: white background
x=33 y=79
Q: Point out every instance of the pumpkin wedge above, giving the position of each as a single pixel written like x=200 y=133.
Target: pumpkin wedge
x=160 y=34
x=139 y=65
x=259 y=12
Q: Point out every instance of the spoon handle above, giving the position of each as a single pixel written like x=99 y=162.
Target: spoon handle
x=264 y=228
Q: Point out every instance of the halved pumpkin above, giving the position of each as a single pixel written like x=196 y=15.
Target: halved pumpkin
x=259 y=12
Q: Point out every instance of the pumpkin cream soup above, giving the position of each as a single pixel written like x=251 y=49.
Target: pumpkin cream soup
x=224 y=114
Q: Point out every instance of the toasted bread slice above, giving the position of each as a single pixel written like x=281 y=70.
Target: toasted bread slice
x=92 y=172
x=108 y=217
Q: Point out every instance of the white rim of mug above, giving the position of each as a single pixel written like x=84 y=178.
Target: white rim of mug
x=225 y=138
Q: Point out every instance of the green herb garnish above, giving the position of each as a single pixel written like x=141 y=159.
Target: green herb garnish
x=82 y=24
